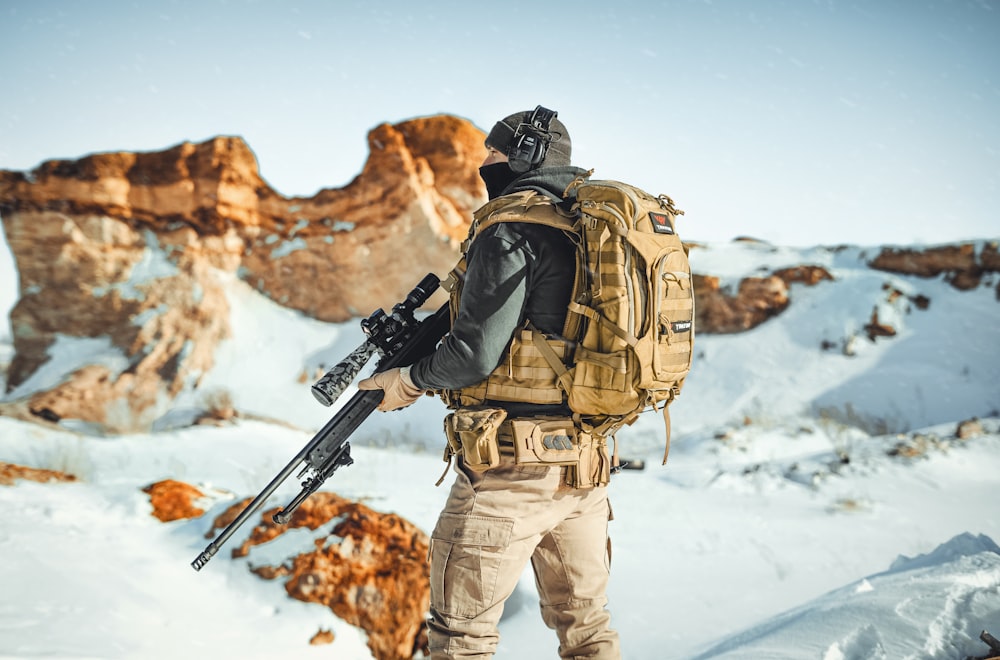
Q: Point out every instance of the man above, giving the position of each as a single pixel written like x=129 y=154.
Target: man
x=507 y=505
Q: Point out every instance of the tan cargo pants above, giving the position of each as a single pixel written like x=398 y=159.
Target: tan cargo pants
x=493 y=523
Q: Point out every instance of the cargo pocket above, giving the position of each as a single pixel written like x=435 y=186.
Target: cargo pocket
x=466 y=557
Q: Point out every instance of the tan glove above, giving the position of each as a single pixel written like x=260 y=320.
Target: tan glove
x=399 y=389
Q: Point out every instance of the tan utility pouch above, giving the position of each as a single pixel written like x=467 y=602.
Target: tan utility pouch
x=594 y=468
x=552 y=442
x=472 y=434
x=559 y=442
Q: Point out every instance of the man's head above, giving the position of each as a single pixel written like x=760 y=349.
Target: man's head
x=531 y=139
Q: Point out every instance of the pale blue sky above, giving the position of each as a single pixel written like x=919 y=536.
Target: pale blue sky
x=798 y=121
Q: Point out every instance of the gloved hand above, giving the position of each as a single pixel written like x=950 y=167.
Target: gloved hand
x=400 y=391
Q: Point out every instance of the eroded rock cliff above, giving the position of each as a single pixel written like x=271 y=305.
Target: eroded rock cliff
x=122 y=258
x=962 y=265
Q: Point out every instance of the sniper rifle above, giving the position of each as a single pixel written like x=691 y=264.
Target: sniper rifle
x=399 y=339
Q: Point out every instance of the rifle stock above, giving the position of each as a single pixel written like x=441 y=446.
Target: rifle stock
x=401 y=340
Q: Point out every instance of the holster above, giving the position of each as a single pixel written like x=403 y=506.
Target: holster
x=473 y=434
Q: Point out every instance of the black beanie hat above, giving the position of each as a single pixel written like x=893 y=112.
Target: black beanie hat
x=559 y=149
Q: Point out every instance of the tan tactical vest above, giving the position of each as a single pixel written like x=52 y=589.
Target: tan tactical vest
x=524 y=374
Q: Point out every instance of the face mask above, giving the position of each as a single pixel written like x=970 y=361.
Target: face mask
x=497 y=177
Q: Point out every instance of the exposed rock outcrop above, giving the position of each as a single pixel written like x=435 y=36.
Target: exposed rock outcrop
x=369 y=568
x=10 y=473
x=757 y=299
x=123 y=257
x=969 y=428
x=124 y=260
x=962 y=265
x=808 y=275
x=174 y=500
x=875 y=328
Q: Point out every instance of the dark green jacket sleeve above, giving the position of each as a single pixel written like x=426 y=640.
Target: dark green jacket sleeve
x=490 y=310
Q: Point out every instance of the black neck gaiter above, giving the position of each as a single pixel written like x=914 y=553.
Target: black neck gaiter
x=497 y=177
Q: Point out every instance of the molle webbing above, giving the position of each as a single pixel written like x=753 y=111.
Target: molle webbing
x=524 y=374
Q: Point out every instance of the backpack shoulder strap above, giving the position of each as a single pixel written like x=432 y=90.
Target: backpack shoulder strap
x=530 y=207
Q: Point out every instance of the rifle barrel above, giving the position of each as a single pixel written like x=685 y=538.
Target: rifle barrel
x=326 y=451
x=248 y=511
x=275 y=483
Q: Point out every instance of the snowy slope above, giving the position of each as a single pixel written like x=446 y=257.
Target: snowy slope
x=779 y=528
x=928 y=606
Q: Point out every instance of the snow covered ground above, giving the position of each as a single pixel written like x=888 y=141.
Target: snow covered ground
x=784 y=525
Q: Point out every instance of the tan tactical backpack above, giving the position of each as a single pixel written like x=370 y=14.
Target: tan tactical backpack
x=631 y=322
x=635 y=346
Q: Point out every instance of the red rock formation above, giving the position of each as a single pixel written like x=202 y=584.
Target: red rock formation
x=370 y=569
x=962 y=266
x=223 y=519
x=174 y=500
x=9 y=473
x=127 y=254
x=874 y=328
x=322 y=637
x=758 y=299
x=808 y=275
x=366 y=245
x=969 y=428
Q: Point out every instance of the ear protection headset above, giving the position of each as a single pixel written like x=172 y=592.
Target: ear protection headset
x=530 y=142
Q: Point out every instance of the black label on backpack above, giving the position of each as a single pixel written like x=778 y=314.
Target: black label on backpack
x=661 y=223
x=681 y=326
